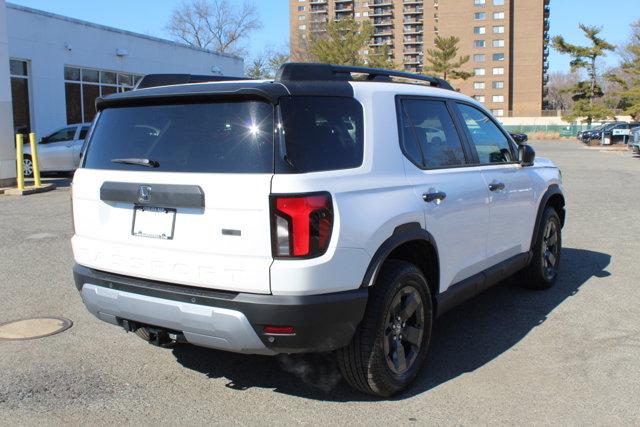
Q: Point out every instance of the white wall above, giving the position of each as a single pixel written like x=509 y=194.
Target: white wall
x=7 y=147
x=40 y=38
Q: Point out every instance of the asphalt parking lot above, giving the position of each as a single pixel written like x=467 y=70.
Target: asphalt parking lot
x=570 y=355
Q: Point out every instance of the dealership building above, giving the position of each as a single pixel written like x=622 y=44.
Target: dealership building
x=52 y=69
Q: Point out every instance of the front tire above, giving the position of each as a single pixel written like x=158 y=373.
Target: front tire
x=542 y=271
x=390 y=346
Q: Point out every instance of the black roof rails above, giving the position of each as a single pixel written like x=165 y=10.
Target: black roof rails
x=297 y=71
x=153 y=80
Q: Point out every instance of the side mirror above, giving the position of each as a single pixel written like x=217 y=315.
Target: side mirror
x=43 y=140
x=526 y=155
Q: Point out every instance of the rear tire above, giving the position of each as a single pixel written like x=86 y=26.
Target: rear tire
x=542 y=271
x=391 y=343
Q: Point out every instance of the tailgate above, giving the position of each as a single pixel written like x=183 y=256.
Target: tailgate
x=199 y=216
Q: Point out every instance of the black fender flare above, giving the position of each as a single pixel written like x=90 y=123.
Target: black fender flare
x=401 y=234
x=552 y=190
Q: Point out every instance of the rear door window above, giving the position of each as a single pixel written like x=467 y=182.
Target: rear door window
x=217 y=137
x=429 y=137
x=322 y=133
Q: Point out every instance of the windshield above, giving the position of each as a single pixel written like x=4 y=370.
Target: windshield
x=220 y=137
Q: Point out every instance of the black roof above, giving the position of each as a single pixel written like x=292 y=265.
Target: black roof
x=299 y=79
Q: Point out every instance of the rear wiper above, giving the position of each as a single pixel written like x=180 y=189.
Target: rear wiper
x=140 y=162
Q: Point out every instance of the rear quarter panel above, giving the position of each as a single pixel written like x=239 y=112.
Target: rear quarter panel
x=369 y=202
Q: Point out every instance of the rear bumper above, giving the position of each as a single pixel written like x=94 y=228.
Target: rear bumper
x=225 y=320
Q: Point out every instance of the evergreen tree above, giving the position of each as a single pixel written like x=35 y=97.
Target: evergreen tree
x=344 y=42
x=443 y=59
x=586 y=93
x=341 y=43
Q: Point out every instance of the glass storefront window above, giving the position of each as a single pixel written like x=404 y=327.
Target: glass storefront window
x=84 y=85
x=19 y=73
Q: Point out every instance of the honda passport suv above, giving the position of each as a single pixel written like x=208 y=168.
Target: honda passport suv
x=331 y=209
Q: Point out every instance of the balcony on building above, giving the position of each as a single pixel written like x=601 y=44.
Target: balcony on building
x=319 y=9
x=382 y=43
x=382 y=12
x=408 y=41
x=418 y=10
x=345 y=7
x=412 y=2
x=382 y=22
x=382 y=31
x=412 y=20
x=411 y=29
x=379 y=3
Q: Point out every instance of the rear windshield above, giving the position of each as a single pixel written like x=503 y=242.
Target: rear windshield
x=220 y=137
x=322 y=133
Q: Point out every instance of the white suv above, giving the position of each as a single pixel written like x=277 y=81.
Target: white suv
x=329 y=209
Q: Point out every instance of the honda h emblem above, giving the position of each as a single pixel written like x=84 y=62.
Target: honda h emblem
x=144 y=193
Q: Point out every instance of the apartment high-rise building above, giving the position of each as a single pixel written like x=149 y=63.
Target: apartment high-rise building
x=506 y=40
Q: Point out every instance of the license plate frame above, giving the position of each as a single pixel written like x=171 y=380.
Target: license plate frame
x=156 y=225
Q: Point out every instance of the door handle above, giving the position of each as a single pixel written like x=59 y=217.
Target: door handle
x=495 y=186
x=437 y=196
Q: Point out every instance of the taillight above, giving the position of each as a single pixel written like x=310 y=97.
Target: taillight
x=301 y=225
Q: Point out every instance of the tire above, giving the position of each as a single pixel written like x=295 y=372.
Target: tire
x=372 y=362
x=542 y=271
x=27 y=167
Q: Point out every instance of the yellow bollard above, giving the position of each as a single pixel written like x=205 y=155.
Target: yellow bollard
x=20 y=160
x=34 y=159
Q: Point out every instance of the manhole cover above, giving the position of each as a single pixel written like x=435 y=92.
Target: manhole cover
x=28 y=329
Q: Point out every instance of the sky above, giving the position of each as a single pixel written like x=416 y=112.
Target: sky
x=151 y=16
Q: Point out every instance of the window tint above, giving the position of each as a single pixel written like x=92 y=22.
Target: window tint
x=491 y=144
x=65 y=134
x=430 y=125
x=83 y=132
x=322 y=133
x=216 y=137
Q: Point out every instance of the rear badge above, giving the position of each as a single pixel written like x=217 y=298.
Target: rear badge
x=144 y=193
x=227 y=232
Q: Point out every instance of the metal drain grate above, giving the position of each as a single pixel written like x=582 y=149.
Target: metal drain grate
x=29 y=329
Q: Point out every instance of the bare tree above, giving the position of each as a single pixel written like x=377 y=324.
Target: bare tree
x=217 y=25
x=559 y=90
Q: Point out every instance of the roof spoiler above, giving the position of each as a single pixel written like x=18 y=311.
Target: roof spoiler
x=297 y=72
x=153 y=80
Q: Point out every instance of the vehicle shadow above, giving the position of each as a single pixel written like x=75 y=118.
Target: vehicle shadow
x=464 y=340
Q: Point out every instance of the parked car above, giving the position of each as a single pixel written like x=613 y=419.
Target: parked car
x=635 y=140
x=519 y=138
x=594 y=133
x=58 y=151
x=612 y=133
x=260 y=217
x=607 y=131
